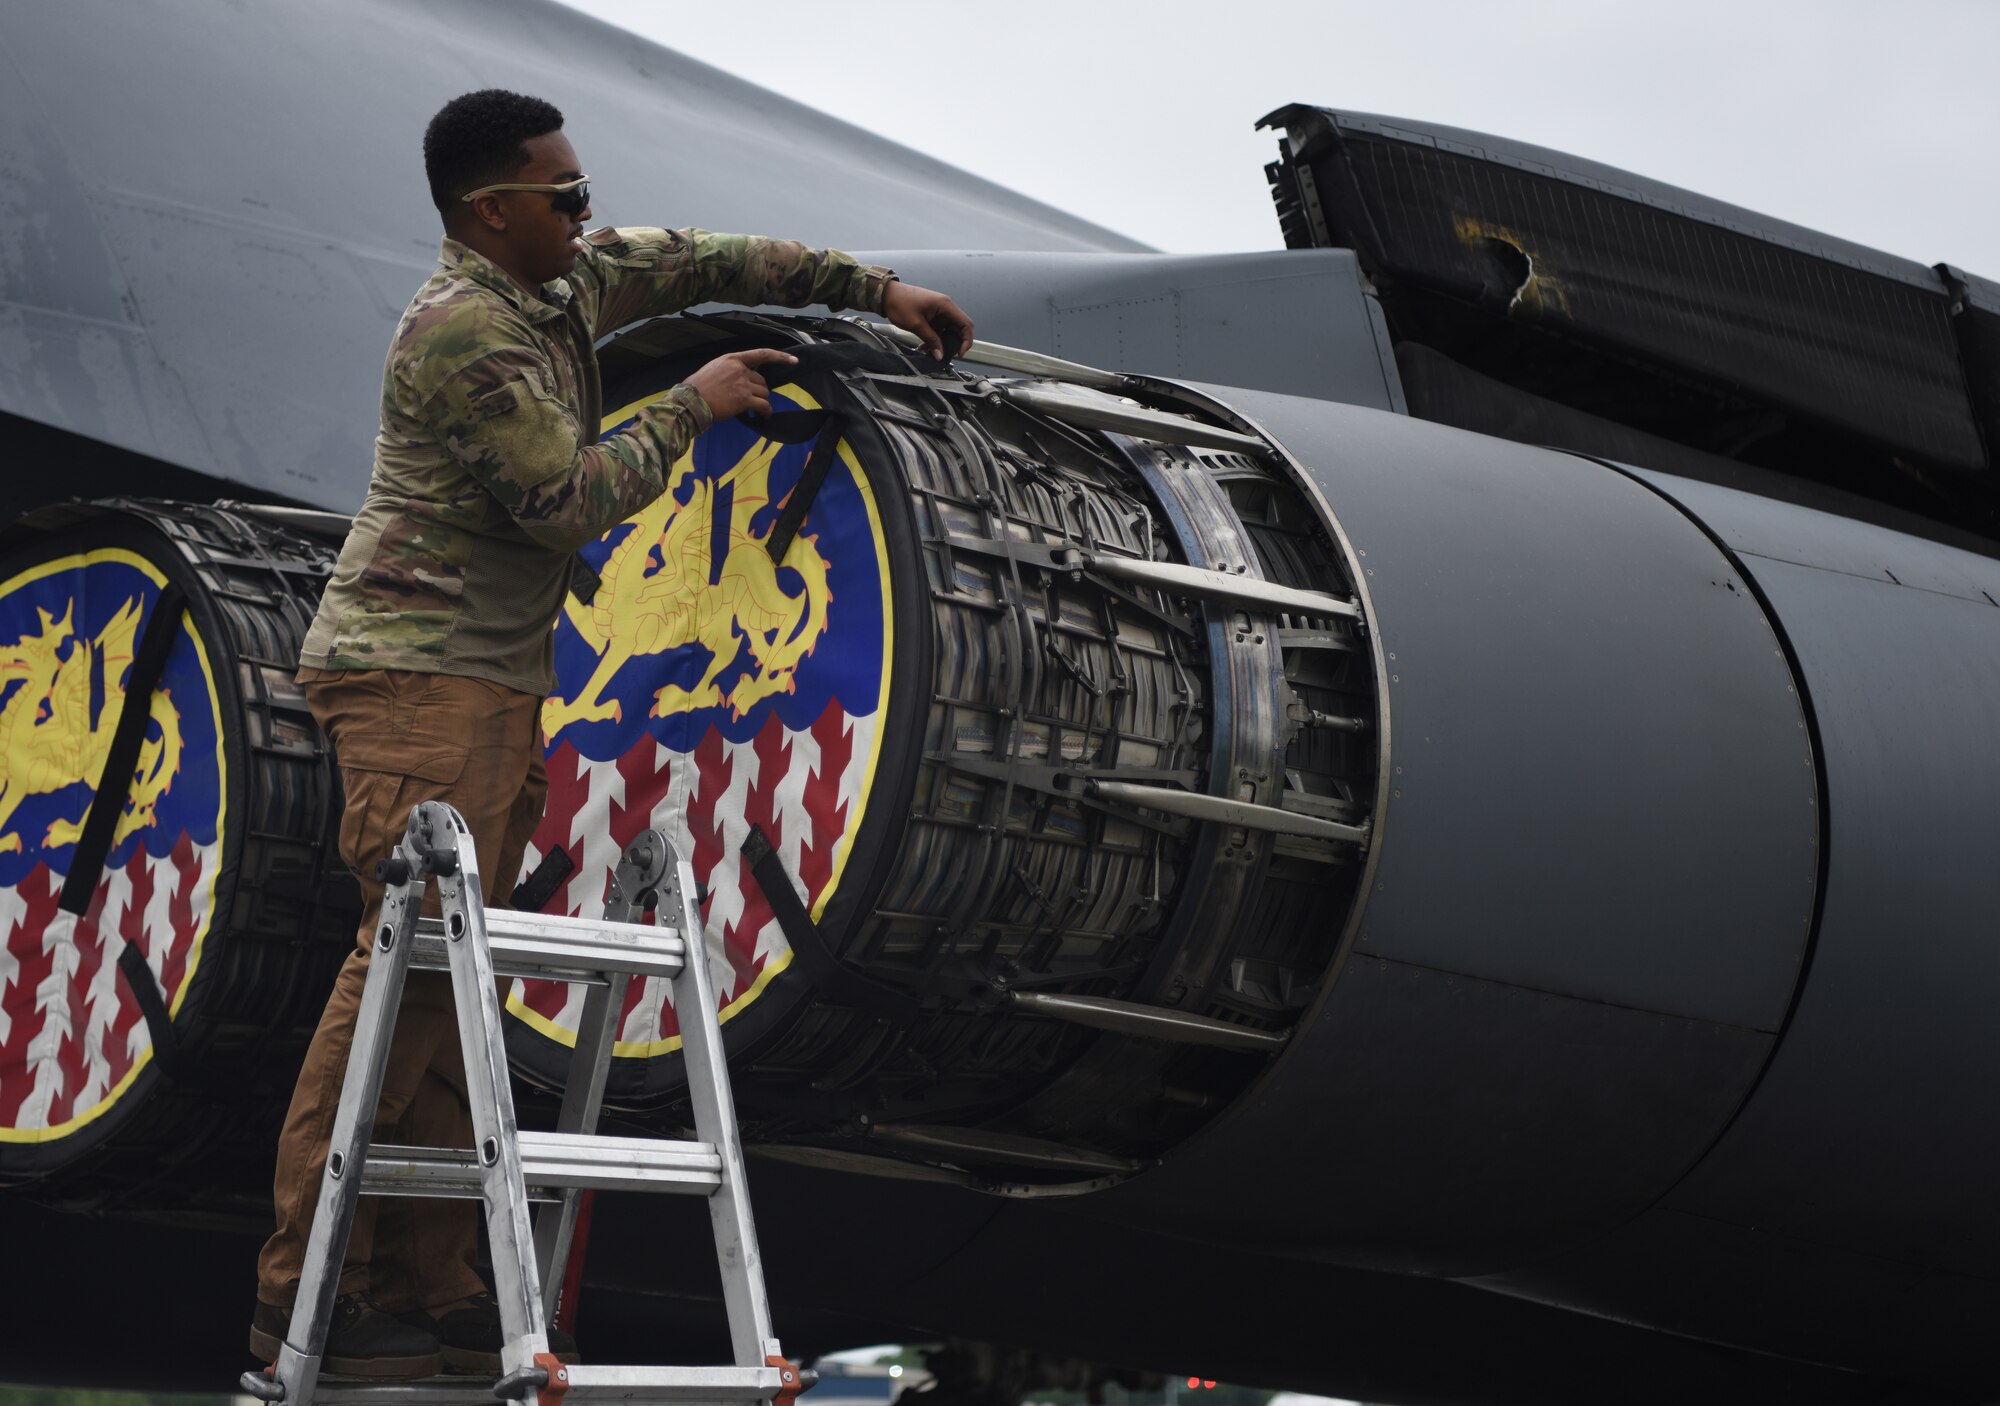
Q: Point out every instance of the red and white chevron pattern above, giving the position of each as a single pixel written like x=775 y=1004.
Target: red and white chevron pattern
x=802 y=789
x=69 y=1029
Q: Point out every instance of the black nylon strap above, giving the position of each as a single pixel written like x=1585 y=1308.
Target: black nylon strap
x=583 y=579
x=86 y=863
x=818 y=462
x=149 y=661
x=814 y=362
x=533 y=893
x=844 y=356
x=787 y=426
x=797 y=426
x=833 y=976
x=145 y=989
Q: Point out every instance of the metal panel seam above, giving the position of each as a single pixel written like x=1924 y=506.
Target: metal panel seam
x=1883 y=580
x=1823 y=820
x=1570 y=996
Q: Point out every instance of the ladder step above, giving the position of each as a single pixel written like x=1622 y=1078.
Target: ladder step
x=550 y=1162
x=637 y=1385
x=563 y=948
x=674 y=1384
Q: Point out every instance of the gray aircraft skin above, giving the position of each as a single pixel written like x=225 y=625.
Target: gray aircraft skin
x=1639 y=1055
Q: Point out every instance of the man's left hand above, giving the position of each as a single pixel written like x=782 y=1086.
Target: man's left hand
x=932 y=316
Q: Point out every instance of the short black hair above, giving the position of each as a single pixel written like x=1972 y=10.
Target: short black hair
x=475 y=140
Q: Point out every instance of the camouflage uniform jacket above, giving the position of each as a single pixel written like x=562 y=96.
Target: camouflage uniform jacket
x=488 y=469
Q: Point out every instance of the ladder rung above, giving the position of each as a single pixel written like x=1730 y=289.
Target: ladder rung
x=676 y=1384
x=425 y=1391
x=576 y=949
x=637 y=1385
x=549 y=1163
x=620 y=1163
x=557 y=926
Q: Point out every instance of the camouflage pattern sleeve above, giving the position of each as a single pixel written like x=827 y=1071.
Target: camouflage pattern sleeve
x=639 y=273
x=499 y=418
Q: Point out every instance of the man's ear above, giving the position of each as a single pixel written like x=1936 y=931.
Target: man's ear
x=487 y=210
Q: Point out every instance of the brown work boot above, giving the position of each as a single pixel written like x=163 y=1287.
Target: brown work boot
x=468 y=1335
x=361 y=1341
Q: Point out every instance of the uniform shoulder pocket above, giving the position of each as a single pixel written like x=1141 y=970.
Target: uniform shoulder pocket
x=639 y=250
x=521 y=387
x=498 y=383
x=496 y=401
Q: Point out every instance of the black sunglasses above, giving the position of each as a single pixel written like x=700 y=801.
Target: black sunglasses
x=569 y=198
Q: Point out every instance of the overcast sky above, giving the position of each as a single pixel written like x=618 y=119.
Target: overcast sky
x=1877 y=122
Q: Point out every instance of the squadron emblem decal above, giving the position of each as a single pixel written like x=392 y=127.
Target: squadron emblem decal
x=666 y=588
x=706 y=689
x=72 y=1038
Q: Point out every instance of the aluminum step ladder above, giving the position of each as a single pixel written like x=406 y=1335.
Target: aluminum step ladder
x=507 y=1167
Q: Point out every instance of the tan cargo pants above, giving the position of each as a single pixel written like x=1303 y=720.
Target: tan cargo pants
x=403 y=738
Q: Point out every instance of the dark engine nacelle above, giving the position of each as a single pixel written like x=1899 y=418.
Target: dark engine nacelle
x=1504 y=860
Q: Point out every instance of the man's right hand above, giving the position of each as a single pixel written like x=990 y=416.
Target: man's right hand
x=730 y=384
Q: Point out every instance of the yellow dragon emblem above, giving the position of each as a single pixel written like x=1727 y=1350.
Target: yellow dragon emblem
x=50 y=740
x=656 y=596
